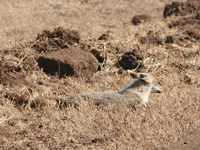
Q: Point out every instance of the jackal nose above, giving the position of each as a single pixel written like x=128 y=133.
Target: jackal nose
x=160 y=91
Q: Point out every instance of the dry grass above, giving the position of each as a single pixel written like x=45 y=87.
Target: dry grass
x=161 y=125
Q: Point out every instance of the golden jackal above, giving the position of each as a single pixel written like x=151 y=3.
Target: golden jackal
x=134 y=93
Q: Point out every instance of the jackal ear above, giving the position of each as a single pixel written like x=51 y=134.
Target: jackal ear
x=132 y=74
x=144 y=77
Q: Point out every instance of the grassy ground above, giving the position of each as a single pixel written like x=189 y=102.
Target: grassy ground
x=169 y=121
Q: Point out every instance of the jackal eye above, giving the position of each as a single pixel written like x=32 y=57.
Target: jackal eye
x=144 y=77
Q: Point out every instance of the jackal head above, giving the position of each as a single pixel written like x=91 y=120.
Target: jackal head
x=147 y=80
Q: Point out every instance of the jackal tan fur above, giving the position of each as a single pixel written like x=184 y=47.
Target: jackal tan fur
x=134 y=93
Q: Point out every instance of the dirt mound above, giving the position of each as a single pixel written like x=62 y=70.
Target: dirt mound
x=138 y=19
x=193 y=32
x=129 y=60
x=70 y=62
x=184 y=21
x=181 y=40
x=153 y=38
x=64 y=60
x=181 y=9
x=187 y=32
x=109 y=53
x=12 y=65
x=13 y=79
x=58 y=39
x=188 y=25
